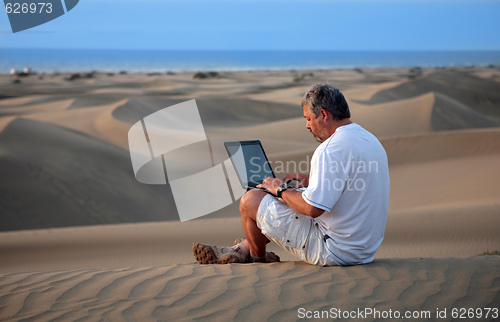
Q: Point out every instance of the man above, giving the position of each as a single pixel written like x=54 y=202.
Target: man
x=339 y=215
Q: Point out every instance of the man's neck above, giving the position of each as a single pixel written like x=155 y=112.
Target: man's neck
x=334 y=126
x=339 y=124
x=343 y=122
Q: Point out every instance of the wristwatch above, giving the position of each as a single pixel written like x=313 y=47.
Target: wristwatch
x=281 y=188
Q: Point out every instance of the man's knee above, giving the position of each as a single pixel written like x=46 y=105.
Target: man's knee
x=249 y=203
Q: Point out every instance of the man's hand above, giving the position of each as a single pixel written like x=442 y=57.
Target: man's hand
x=301 y=177
x=271 y=184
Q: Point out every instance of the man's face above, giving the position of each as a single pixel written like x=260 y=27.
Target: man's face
x=314 y=124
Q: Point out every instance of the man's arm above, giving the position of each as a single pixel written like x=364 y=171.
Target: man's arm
x=292 y=198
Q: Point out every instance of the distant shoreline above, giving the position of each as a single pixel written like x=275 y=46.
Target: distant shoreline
x=178 y=61
x=83 y=73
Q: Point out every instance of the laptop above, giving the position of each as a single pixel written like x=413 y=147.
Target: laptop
x=250 y=162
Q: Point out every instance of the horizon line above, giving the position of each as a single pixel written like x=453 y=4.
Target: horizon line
x=265 y=50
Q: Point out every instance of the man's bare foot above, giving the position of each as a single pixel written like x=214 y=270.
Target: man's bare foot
x=209 y=254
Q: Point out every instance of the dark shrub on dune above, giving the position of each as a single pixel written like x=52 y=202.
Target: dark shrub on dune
x=206 y=75
x=200 y=76
x=416 y=70
x=74 y=77
x=303 y=76
x=78 y=76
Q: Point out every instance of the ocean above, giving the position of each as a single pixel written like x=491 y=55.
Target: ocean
x=81 y=60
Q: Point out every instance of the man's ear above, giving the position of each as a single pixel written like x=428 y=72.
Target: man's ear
x=324 y=114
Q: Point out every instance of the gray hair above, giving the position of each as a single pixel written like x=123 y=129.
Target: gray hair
x=325 y=96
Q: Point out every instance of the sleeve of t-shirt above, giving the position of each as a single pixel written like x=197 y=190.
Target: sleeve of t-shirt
x=326 y=181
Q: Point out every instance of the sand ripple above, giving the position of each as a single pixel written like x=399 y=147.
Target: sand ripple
x=249 y=291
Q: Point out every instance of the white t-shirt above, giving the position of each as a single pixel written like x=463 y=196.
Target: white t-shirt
x=349 y=179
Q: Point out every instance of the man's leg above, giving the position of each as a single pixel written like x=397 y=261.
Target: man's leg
x=249 y=205
x=255 y=242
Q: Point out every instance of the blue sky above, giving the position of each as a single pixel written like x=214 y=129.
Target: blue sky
x=268 y=25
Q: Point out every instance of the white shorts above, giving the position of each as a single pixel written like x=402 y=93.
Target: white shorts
x=297 y=234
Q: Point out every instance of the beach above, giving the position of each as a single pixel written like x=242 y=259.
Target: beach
x=81 y=238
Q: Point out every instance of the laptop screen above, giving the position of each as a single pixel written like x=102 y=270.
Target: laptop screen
x=251 y=163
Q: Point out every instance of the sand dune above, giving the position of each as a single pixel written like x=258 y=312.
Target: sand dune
x=442 y=145
x=450 y=114
x=54 y=177
x=292 y=129
x=19 y=101
x=424 y=113
x=479 y=94
x=451 y=181
x=432 y=111
x=34 y=108
x=365 y=93
x=95 y=121
x=251 y=292
x=292 y=95
x=215 y=113
x=29 y=100
x=413 y=115
x=446 y=230
x=280 y=127
x=82 y=239
x=4 y=121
